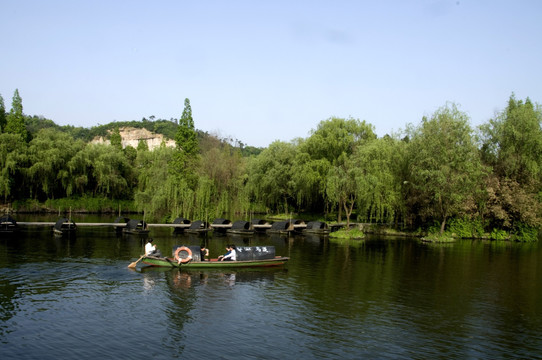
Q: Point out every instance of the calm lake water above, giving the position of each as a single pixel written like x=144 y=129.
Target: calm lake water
x=385 y=298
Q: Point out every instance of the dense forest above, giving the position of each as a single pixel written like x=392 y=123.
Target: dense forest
x=440 y=175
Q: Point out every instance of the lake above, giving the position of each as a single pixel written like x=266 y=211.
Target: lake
x=384 y=297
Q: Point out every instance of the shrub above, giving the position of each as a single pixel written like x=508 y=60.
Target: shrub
x=525 y=233
x=466 y=228
x=497 y=234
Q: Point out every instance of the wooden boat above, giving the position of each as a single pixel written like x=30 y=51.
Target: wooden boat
x=8 y=224
x=247 y=256
x=135 y=227
x=281 y=227
x=214 y=263
x=241 y=227
x=221 y=225
x=64 y=226
x=316 y=227
x=198 y=227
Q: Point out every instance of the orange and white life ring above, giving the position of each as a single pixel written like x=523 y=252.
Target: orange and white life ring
x=185 y=259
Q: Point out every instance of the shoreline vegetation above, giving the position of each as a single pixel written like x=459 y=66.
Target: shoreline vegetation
x=439 y=180
x=356 y=231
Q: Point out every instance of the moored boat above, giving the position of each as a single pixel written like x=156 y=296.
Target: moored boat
x=135 y=227
x=64 y=226
x=316 y=227
x=8 y=224
x=241 y=227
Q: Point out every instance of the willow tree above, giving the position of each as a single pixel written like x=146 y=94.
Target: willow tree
x=444 y=164
x=160 y=194
x=48 y=153
x=377 y=184
x=341 y=186
x=12 y=162
x=221 y=177
x=328 y=147
x=113 y=173
x=270 y=176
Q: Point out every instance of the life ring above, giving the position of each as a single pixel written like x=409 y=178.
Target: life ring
x=186 y=259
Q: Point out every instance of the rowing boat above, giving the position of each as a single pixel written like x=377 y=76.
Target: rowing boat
x=213 y=263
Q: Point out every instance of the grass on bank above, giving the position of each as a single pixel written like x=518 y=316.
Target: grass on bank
x=347 y=234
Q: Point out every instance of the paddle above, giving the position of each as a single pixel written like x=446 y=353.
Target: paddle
x=133 y=265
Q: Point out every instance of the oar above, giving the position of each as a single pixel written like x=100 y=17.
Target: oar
x=133 y=265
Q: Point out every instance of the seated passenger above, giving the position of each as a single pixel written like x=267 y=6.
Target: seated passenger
x=151 y=250
x=203 y=252
x=231 y=255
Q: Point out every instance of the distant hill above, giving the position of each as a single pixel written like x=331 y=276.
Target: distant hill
x=131 y=136
x=166 y=128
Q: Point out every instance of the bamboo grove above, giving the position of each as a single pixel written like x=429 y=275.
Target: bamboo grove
x=440 y=174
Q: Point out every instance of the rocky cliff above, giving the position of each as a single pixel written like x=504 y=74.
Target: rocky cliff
x=131 y=136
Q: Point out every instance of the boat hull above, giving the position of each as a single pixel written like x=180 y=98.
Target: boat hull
x=169 y=262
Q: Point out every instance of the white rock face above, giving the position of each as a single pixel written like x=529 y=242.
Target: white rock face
x=131 y=136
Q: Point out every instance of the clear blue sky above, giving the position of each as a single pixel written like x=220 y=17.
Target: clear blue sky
x=261 y=71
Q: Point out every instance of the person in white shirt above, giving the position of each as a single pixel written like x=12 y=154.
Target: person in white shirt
x=231 y=255
x=151 y=250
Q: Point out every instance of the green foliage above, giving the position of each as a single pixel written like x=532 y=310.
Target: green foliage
x=347 y=234
x=512 y=144
x=13 y=158
x=341 y=187
x=466 y=228
x=376 y=176
x=498 y=234
x=432 y=173
x=445 y=168
x=142 y=146
x=526 y=233
x=336 y=138
x=186 y=136
x=439 y=237
x=90 y=204
x=15 y=120
x=515 y=140
x=116 y=139
x=270 y=176
x=3 y=119
x=48 y=153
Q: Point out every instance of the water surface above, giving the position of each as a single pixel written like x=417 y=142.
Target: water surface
x=74 y=297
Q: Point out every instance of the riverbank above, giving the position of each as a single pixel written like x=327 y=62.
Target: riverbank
x=73 y=205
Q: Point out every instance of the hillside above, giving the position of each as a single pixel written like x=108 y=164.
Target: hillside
x=132 y=136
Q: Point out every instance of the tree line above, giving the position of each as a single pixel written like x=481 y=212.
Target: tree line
x=440 y=175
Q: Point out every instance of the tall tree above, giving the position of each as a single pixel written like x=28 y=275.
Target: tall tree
x=328 y=147
x=513 y=142
x=15 y=119
x=116 y=139
x=444 y=163
x=186 y=157
x=341 y=186
x=512 y=145
x=3 y=118
x=186 y=136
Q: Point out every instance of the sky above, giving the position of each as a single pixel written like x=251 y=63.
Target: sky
x=260 y=71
